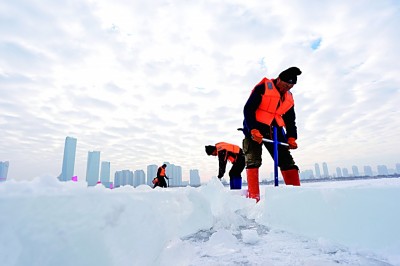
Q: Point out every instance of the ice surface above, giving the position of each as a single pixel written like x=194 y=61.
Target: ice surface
x=47 y=222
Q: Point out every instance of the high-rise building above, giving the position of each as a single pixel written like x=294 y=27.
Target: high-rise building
x=117 y=179
x=169 y=171
x=123 y=178
x=382 y=170
x=128 y=179
x=317 y=171
x=338 y=172
x=139 y=178
x=325 y=169
x=368 y=170
x=398 y=168
x=345 y=172
x=105 y=172
x=194 y=178
x=307 y=174
x=174 y=174
x=151 y=173
x=178 y=175
x=93 y=168
x=355 y=170
x=69 y=159
x=4 y=170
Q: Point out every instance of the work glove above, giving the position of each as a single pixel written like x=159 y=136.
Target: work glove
x=292 y=143
x=256 y=135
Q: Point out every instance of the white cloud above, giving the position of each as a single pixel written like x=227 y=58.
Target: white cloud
x=147 y=82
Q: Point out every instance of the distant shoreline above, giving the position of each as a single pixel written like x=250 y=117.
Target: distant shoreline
x=327 y=179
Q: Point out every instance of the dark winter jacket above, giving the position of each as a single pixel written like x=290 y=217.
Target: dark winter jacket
x=223 y=159
x=161 y=172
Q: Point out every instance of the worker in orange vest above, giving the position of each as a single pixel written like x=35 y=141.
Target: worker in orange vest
x=161 y=175
x=229 y=152
x=271 y=104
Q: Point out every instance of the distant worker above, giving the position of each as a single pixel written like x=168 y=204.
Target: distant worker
x=233 y=153
x=271 y=104
x=160 y=179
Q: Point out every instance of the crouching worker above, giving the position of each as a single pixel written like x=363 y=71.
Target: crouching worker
x=233 y=153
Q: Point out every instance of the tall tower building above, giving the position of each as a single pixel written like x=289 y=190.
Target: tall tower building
x=174 y=173
x=317 y=171
x=151 y=173
x=4 y=170
x=123 y=178
x=178 y=175
x=355 y=170
x=398 y=168
x=93 y=168
x=338 y=172
x=105 y=172
x=307 y=174
x=194 y=178
x=345 y=172
x=68 y=160
x=169 y=171
x=128 y=177
x=368 y=170
x=117 y=179
x=139 y=178
x=325 y=169
x=382 y=170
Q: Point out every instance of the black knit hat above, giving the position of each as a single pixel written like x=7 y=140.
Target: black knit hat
x=210 y=149
x=290 y=75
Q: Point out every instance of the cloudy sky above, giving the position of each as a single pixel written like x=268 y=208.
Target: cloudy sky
x=151 y=81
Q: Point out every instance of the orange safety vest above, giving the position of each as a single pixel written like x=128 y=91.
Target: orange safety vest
x=228 y=147
x=268 y=109
x=162 y=171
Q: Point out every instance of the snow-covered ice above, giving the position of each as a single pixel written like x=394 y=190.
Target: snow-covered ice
x=47 y=222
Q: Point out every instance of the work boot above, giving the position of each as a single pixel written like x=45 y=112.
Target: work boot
x=253 y=184
x=291 y=177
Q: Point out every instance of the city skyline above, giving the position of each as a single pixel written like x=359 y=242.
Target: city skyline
x=100 y=171
x=152 y=171
x=176 y=171
x=381 y=170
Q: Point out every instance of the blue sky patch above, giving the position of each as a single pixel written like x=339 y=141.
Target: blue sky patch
x=316 y=43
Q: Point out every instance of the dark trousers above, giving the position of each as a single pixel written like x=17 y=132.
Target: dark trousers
x=237 y=166
x=161 y=181
x=253 y=152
